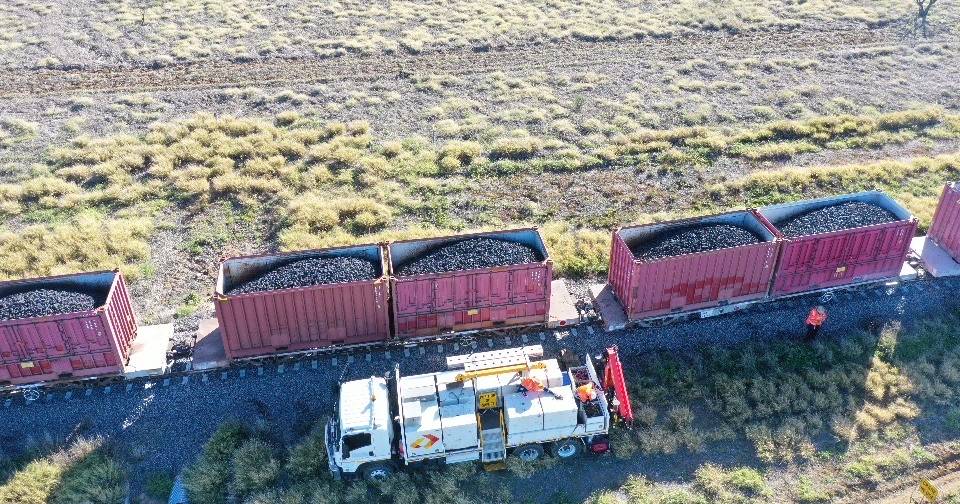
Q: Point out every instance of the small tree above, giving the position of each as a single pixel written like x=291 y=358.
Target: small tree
x=923 y=10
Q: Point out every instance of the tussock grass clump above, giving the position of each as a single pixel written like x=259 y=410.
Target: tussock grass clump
x=15 y=130
x=82 y=472
x=788 y=138
x=316 y=213
x=85 y=243
x=205 y=158
x=734 y=485
x=577 y=253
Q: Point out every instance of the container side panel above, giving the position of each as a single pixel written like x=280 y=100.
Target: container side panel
x=836 y=259
x=514 y=295
x=945 y=228
x=77 y=344
x=621 y=271
x=697 y=281
x=303 y=319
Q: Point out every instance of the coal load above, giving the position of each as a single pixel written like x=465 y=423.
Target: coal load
x=44 y=302
x=308 y=272
x=835 y=218
x=693 y=239
x=473 y=253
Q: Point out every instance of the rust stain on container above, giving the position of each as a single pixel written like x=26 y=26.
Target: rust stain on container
x=844 y=257
x=651 y=288
x=69 y=345
x=945 y=228
x=303 y=318
x=430 y=304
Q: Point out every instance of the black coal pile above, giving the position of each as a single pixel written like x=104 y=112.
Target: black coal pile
x=307 y=272
x=473 y=253
x=43 y=302
x=835 y=218
x=693 y=239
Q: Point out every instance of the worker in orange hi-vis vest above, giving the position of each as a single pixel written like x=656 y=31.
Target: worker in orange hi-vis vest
x=816 y=318
x=586 y=392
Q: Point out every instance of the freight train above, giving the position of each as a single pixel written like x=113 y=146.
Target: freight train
x=404 y=291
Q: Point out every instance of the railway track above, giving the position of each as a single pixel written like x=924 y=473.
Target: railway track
x=33 y=392
x=518 y=58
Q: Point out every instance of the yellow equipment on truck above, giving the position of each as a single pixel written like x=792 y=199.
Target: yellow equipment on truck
x=480 y=409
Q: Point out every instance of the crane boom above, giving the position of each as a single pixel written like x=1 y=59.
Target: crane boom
x=470 y=375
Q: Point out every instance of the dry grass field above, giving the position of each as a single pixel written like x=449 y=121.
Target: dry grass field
x=158 y=136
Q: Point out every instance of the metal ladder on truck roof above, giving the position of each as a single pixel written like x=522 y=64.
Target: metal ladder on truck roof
x=493 y=449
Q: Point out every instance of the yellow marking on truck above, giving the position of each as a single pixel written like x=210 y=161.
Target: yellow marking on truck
x=488 y=400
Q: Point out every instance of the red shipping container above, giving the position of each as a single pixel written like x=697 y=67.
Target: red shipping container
x=303 y=318
x=844 y=257
x=69 y=345
x=431 y=304
x=945 y=228
x=652 y=288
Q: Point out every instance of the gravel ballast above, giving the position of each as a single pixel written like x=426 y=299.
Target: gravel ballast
x=835 y=218
x=473 y=253
x=44 y=302
x=307 y=272
x=693 y=239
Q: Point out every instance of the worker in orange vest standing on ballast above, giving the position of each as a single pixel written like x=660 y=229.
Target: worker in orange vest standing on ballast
x=818 y=315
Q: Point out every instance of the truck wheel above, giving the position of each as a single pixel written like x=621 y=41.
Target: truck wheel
x=529 y=452
x=566 y=448
x=377 y=471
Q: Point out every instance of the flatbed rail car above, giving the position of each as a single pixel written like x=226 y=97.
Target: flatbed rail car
x=484 y=407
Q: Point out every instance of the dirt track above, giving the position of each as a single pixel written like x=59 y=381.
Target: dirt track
x=41 y=82
x=944 y=473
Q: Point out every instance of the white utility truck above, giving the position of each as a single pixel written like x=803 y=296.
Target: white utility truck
x=477 y=410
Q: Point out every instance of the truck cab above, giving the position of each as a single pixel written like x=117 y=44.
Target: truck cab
x=360 y=437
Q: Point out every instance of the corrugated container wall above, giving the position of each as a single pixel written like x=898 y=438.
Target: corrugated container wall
x=474 y=299
x=945 y=228
x=69 y=345
x=287 y=320
x=690 y=281
x=844 y=257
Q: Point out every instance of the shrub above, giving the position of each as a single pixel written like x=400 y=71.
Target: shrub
x=207 y=479
x=254 y=467
x=308 y=459
x=806 y=492
x=97 y=479
x=622 y=443
x=159 y=486
x=638 y=490
x=61 y=474
x=680 y=418
x=748 y=480
x=33 y=484
x=603 y=497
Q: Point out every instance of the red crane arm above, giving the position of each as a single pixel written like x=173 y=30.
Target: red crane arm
x=613 y=378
